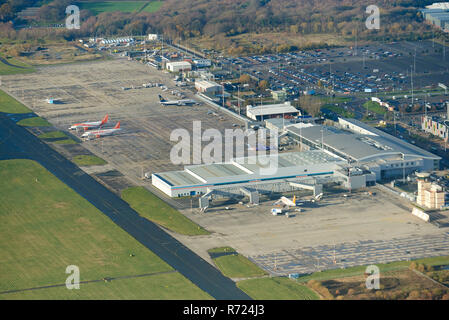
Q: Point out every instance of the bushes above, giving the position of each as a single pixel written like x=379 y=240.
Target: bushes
x=421 y=267
x=318 y=287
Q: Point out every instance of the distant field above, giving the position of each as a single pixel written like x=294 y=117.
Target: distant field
x=10 y=105
x=34 y=122
x=152 y=208
x=9 y=65
x=276 y=289
x=87 y=160
x=45 y=226
x=123 y=6
x=153 y=6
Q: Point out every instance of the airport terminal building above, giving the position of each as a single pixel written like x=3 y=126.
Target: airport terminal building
x=352 y=154
x=248 y=172
x=366 y=147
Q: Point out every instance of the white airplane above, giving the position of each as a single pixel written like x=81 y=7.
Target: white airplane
x=92 y=134
x=90 y=125
x=287 y=201
x=183 y=102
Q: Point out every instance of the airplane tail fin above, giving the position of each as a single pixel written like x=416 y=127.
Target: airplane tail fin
x=117 y=126
x=161 y=99
x=105 y=119
x=294 y=199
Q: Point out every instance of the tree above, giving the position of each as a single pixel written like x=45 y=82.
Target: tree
x=244 y=78
x=263 y=85
x=310 y=104
x=6 y=12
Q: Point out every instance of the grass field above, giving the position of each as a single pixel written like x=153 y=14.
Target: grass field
x=65 y=141
x=13 y=66
x=88 y=160
x=10 y=105
x=53 y=135
x=235 y=265
x=276 y=289
x=155 y=287
x=98 y=7
x=56 y=135
x=339 y=110
x=374 y=107
x=45 y=226
x=34 y=122
x=221 y=250
x=152 y=208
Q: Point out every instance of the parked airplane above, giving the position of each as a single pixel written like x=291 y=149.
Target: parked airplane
x=286 y=201
x=183 y=102
x=101 y=133
x=90 y=125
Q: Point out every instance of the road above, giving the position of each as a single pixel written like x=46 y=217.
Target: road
x=17 y=142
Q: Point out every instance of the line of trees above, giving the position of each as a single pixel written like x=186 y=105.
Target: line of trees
x=181 y=19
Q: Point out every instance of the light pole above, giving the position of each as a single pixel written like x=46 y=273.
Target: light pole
x=403 y=168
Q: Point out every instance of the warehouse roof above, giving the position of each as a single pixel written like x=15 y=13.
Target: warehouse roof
x=207 y=84
x=178 y=178
x=360 y=146
x=248 y=169
x=271 y=109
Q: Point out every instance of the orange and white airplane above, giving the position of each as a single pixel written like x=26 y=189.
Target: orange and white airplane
x=92 y=134
x=286 y=201
x=90 y=125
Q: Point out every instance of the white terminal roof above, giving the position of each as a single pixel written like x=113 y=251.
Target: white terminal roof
x=271 y=109
x=242 y=170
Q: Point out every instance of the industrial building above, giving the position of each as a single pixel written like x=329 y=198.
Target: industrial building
x=153 y=37
x=279 y=95
x=177 y=66
x=204 y=86
x=430 y=195
x=367 y=147
x=248 y=173
x=263 y=112
x=437 y=15
x=435 y=125
x=202 y=63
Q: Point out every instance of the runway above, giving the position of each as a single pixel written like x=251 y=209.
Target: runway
x=17 y=142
